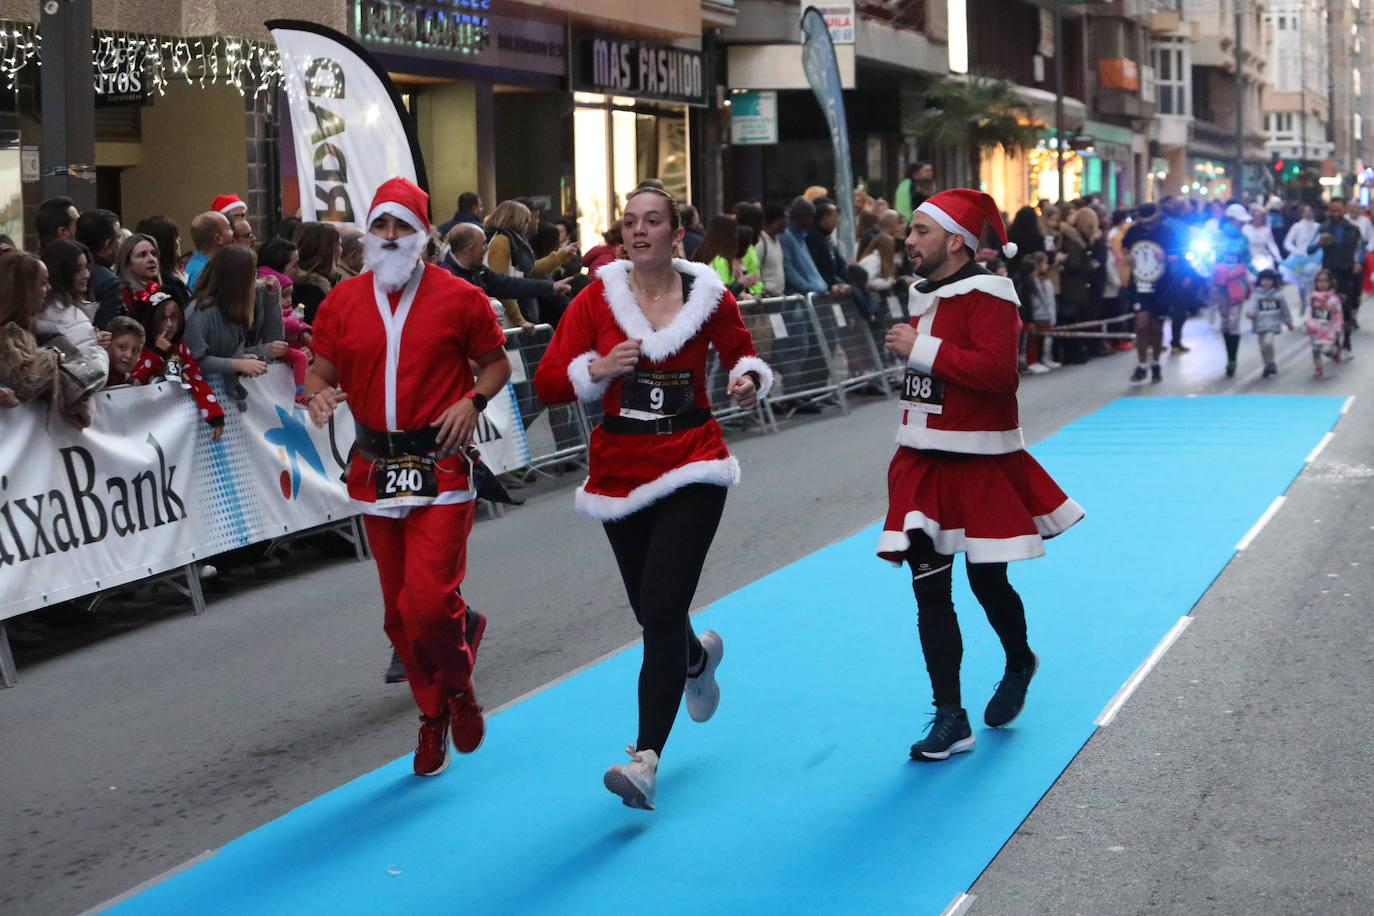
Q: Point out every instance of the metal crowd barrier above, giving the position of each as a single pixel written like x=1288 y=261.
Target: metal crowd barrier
x=854 y=354
x=797 y=349
x=555 y=434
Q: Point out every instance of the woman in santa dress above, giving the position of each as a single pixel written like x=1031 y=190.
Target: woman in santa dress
x=637 y=340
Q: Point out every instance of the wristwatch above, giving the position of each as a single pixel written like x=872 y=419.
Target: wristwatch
x=479 y=401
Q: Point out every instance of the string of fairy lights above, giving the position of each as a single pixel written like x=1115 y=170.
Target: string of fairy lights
x=117 y=58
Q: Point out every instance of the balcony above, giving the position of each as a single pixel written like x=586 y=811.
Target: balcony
x=1122 y=103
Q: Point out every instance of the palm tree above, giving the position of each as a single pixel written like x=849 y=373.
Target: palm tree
x=975 y=113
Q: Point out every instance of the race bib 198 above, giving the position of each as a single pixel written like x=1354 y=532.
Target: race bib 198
x=650 y=394
x=922 y=392
x=406 y=475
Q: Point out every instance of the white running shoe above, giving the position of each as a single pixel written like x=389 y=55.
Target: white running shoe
x=702 y=691
x=635 y=781
x=1051 y=364
x=1039 y=368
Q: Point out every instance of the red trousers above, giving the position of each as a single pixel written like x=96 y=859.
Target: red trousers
x=421 y=561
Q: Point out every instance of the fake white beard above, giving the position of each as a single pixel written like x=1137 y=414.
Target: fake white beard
x=393 y=266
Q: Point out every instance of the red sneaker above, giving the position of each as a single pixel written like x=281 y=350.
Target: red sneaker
x=1317 y=371
x=466 y=717
x=431 y=755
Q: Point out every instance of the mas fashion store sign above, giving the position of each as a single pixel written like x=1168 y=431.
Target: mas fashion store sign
x=144 y=490
x=614 y=66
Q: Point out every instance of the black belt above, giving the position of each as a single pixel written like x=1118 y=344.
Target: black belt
x=663 y=426
x=376 y=443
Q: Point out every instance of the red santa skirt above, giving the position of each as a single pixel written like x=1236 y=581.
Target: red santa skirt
x=994 y=508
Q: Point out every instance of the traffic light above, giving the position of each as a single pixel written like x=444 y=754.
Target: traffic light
x=1278 y=165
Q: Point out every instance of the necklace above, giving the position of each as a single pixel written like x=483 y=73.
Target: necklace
x=639 y=289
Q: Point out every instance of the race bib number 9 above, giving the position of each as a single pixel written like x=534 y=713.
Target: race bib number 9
x=406 y=475
x=922 y=392
x=650 y=394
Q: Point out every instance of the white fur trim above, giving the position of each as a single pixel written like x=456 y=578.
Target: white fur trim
x=983 y=550
x=923 y=354
x=722 y=472
x=916 y=433
x=660 y=343
x=948 y=223
x=754 y=364
x=993 y=285
x=580 y=374
x=404 y=214
x=400 y=508
x=237 y=206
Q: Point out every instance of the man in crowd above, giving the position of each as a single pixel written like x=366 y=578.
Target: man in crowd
x=415 y=407
x=1156 y=254
x=55 y=219
x=469 y=211
x=913 y=189
x=468 y=246
x=230 y=206
x=1184 y=288
x=1342 y=249
x=243 y=232
x=210 y=231
x=799 y=269
x=770 y=249
x=692 y=233
x=351 y=260
x=98 y=230
x=820 y=242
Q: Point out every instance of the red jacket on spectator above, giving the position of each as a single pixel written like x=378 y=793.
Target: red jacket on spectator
x=151 y=365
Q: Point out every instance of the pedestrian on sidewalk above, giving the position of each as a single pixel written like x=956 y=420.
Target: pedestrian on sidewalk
x=961 y=480
x=1269 y=315
x=397 y=342
x=637 y=340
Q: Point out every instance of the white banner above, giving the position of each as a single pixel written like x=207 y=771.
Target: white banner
x=144 y=490
x=346 y=119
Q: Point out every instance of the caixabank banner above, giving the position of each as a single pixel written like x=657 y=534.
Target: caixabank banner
x=145 y=490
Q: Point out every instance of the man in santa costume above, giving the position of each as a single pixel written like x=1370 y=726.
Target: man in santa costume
x=961 y=481
x=397 y=342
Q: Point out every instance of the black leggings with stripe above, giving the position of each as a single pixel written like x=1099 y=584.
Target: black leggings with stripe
x=932 y=579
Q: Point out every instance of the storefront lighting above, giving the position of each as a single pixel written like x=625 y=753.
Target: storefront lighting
x=248 y=66
x=19 y=44
x=1328 y=182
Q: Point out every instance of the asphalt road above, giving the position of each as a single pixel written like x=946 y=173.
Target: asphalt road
x=1230 y=783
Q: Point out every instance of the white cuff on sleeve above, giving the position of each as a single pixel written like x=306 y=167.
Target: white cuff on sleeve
x=579 y=373
x=923 y=354
x=754 y=364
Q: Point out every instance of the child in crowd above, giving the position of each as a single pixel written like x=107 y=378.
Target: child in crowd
x=223 y=314
x=125 y=345
x=1043 y=313
x=1268 y=312
x=166 y=355
x=1324 y=320
x=298 y=334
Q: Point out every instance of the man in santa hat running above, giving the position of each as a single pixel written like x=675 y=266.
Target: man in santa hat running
x=961 y=481
x=398 y=342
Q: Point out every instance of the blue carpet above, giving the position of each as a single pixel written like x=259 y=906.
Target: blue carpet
x=798 y=796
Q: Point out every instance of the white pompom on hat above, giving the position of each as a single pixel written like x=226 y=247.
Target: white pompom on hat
x=963 y=212
x=403 y=199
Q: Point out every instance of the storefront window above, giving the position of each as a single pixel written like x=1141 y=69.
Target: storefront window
x=11 y=190
x=618 y=142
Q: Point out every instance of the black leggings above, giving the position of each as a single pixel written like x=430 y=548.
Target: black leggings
x=660 y=550
x=933 y=582
x=1232 y=346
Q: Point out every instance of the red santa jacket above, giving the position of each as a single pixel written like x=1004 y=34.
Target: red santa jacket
x=404 y=358
x=628 y=472
x=968 y=327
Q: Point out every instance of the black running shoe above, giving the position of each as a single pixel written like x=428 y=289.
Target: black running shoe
x=949 y=734
x=395 y=672
x=1156 y=373
x=1140 y=374
x=1010 y=695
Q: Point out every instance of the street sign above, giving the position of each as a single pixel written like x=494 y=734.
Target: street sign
x=754 y=117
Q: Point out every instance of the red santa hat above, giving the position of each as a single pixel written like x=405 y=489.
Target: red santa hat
x=403 y=199
x=229 y=204
x=963 y=212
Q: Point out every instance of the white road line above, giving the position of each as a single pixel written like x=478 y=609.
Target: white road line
x=1128 y=688
x=156 y=879
x=1312 y=455
x=959 y=905
x=1345 y=408
x=1259 y=525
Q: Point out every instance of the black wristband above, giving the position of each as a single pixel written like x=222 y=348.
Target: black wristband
x=479 y=401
